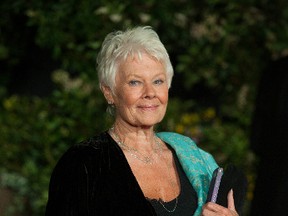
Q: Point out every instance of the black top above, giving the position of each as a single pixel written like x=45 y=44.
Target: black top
x=94 y=178
x=187 y=199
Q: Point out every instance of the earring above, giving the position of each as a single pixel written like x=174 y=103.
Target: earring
x=111 y=108
x=111 y=104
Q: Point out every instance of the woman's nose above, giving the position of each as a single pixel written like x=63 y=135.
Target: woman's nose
x=149 y=91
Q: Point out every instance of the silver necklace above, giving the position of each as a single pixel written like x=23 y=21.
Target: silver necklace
x=134 y=152
x=176 y=199
x=168 y=210
x=147 y=160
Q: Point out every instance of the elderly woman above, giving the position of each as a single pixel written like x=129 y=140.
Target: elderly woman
x=129 y=169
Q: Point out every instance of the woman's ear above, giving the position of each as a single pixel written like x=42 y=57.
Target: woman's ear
x=108 y=94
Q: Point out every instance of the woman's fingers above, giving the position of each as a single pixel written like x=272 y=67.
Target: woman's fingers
x=231 y=204
x=215 y=209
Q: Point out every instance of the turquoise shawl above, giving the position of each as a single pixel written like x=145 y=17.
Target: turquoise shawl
x=197 y=164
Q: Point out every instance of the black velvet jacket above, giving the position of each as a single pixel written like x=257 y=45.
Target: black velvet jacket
x=94 y=178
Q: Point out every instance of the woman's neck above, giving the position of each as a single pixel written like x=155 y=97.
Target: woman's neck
x=138 y=137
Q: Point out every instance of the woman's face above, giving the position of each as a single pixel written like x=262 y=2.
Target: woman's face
x=141 y=92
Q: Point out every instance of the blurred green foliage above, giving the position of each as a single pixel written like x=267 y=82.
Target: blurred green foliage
x=35 y=132
x=218 y=49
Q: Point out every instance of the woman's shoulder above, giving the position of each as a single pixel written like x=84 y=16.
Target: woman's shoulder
x=185 y=147
x=97 y=142
x=88 y=150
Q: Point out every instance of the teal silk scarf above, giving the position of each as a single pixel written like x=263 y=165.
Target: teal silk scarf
x=197 y=164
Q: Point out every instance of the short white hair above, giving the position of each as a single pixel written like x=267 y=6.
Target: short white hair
x=119 y=45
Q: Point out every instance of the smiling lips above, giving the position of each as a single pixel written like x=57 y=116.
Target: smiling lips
x=148 y=107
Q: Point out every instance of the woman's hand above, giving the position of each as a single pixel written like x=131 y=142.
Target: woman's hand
x=215 y=209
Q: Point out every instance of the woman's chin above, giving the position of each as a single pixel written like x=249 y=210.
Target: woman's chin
x=148 y=124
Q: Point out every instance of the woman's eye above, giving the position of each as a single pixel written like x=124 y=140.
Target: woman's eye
x=159 y=81
x=134 y=82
